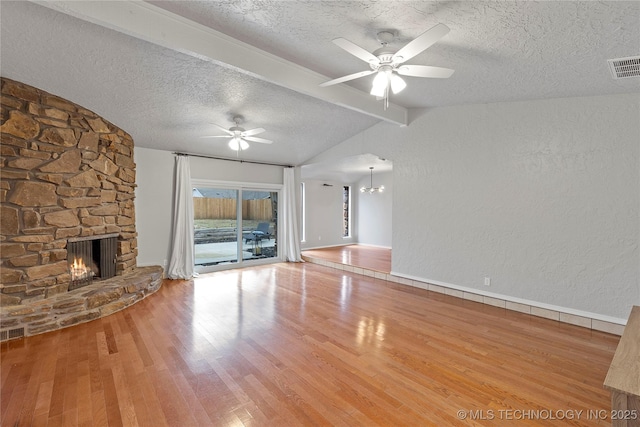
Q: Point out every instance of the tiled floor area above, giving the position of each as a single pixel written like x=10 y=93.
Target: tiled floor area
x=376 y=262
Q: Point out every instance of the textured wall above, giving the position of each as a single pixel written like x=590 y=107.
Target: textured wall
x=324 y=215
x=375 y=212
x=154 y=205
x=543 y=197
x=66 y=172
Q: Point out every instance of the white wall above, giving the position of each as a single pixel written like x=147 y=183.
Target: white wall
x=154 y=206
x=154 y=194
x=324 y=215
x=221 y=170
x=373 y=219
x=543 y=197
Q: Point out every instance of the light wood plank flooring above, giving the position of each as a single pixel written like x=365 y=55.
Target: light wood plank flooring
x=302 y=344
x=369 y=257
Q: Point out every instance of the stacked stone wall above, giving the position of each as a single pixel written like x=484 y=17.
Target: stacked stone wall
x=64 y=172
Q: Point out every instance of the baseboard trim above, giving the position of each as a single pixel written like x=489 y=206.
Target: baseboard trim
x=327 y=246
x=521 y=301
x=594 y=321
x=371 y=245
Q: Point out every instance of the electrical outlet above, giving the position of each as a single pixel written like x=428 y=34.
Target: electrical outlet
x=487 y=281
x=319 y=237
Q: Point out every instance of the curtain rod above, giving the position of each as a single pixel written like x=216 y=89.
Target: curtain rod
x=232 y=160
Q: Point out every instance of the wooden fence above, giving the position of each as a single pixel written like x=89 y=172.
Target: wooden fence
x=206 y=208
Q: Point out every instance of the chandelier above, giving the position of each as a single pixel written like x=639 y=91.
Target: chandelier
x=371 y=189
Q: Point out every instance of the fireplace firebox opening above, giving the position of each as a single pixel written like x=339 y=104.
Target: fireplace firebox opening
x=91 y=258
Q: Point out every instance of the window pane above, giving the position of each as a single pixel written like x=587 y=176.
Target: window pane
x=215 y=226
x=346 y=214
x=259 y=224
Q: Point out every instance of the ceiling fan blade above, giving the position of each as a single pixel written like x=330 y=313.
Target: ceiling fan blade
x=252 y=132
x=260 y=140
x=425 y=71
x=420 y=43
x=223 y=129
x=347 y=78
x=215 y=136
x=356 y=50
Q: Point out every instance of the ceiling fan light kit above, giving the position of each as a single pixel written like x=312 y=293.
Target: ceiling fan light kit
x=240 y=136
x=388 y=65
x=238 y=144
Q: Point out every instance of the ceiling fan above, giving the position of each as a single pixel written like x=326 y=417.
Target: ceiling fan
x=389 y=64
x=240 y=136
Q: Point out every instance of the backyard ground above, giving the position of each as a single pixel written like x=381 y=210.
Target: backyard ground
x=247 y=224
x=216 y=241
x=221 y=230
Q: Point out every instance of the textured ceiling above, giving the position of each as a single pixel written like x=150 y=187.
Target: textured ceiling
x=501 y=51
x=166 y=99
x=348 y=169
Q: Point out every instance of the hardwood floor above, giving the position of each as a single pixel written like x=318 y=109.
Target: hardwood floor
x=302 y=344
x=368 y=257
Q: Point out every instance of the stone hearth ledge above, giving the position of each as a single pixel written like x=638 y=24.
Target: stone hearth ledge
x=94 y=301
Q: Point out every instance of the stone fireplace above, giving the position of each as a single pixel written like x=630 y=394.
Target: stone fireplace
x=67 y=175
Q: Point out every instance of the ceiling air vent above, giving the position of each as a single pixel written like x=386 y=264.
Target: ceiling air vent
x=622 y=68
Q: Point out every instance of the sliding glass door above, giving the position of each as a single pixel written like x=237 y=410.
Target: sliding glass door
x=234 y=225
x=215 y=225
x=260 y=224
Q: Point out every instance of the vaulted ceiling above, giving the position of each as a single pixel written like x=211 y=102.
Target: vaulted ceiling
x=165 y=71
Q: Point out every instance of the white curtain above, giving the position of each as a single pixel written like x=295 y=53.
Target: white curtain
x=291 y=235
x=182 y=248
